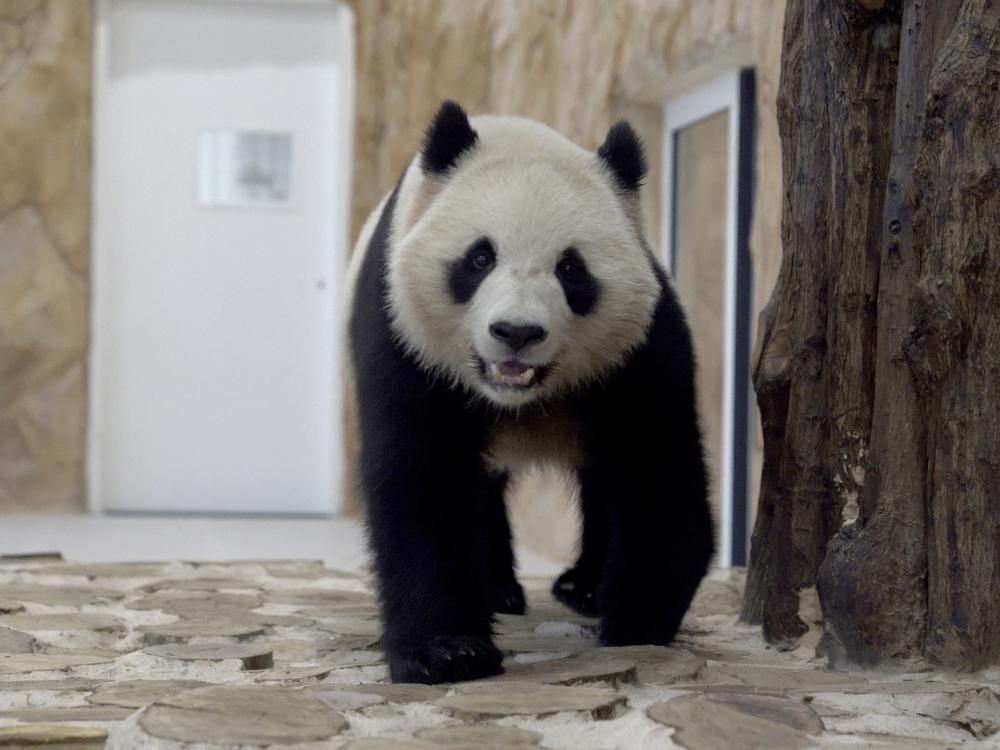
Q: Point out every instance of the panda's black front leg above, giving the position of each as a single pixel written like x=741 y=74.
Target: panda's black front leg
x=661 y=538
x=577 y=587
x=645 y=460
x=429 y=543
x=506 y=596
x=421 y=471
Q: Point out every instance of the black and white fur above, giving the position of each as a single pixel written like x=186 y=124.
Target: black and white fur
x=506 y=308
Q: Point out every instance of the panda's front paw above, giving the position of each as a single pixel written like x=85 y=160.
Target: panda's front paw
x=446 y=659
x=578 y=591
x=508 y=599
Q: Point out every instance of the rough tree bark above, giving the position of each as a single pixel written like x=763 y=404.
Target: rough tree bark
x=878 y=365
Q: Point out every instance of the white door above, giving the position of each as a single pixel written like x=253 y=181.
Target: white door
x=222 y=135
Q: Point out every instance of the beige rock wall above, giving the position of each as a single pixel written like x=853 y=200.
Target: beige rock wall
x=578 y=65
x=766 y=28
x=45 y=70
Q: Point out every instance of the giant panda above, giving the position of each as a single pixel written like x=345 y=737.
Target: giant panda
x=505 y=307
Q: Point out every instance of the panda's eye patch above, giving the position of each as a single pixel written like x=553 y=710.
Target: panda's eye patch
x=579 y=286
x=466 y=273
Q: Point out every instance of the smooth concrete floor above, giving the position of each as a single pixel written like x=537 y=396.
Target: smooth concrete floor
x=338 y=542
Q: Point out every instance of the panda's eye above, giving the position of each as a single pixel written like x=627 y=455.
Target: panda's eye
x=567 y=269
x=481 y=256
x=570 y=265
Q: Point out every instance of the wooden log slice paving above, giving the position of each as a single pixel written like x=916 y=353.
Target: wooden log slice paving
x=305 y=569
x=168 y=597
x=364 y=610
x=767 y=678
x=317 y=597
x=294 y=674
x=21 y=663
x=352 y=626
x=15 y=642
x=344 y=700
x=713 y=720
x=253 y=656
x=204 y=584
x=66 y=684
x=393 y=743
x=59 y=596
x=103 y=570
x=52 y=736
x=241 y=715
x=526 y=644
x=139 y=693
x=591 y=666
x=479 y=735
x=70 y=621
x=398 y=692
x=184 y=630
x=208 y=608
x=388 y=743
x=658 y=665
x=344 y=659
x=494 y=699
x=341 y=642
x=67 y=713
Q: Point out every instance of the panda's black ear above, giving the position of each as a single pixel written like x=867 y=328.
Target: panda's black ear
x=449 y=136
x=624 y=155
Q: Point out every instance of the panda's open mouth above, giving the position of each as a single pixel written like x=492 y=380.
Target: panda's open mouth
x=513 y=374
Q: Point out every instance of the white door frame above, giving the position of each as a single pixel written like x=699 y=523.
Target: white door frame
x=99 y=315
x=725 y=93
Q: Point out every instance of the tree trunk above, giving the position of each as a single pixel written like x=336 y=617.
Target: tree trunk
x=877 y=372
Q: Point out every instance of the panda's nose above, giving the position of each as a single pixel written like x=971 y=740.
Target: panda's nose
x=517 y=336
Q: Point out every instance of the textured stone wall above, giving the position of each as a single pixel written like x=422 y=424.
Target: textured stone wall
x=766 y=28
x=45 y=74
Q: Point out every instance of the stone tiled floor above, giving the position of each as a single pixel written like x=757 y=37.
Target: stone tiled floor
x=285 y=653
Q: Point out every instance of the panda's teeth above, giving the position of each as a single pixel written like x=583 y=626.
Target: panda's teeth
x=521 y=379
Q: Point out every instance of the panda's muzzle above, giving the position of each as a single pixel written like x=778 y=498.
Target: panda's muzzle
x=513 y=374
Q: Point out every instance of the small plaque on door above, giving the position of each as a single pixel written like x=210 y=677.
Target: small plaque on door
x=244 y=168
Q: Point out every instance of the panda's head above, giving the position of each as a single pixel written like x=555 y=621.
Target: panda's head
x=517 y=265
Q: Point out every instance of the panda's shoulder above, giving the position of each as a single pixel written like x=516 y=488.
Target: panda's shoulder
x=361 y=247
x=669 y=342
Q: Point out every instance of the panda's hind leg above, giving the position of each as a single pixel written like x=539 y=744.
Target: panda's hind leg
x=507 y=596
x=577 y=587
